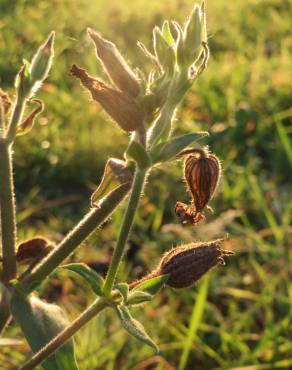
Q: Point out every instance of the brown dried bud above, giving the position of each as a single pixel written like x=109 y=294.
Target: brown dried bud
x=33 y=248
x=119 y=105
x=188 y=263
x=115 y=65
x=5 y=102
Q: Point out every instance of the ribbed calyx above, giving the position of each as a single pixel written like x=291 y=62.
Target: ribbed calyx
x=186 y=264
x=115 y=65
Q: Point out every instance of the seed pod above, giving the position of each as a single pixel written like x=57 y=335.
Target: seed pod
x=33 y=248
x=188 y=263
x=202 y=172
x=119 y=105
x=5 y=102
x=115 y=65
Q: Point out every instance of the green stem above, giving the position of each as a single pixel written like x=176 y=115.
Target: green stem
x=16 y=118
x=96 y=307
x=125 y=228
x=85 y=227
x=7 y=210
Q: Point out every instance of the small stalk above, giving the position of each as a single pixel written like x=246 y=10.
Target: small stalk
x=95 y=308
x=125 y=228
x=85 y=227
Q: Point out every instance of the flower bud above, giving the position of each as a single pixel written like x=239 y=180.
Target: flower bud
x=192 y=33
x=202 y=172
x=119 y=105
x=115 y=65
x=188 y=263
x=165 y=53
x=42 y=60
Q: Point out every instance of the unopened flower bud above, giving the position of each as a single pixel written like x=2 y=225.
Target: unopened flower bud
x=115 y=65
x=202 y=172
x=119 y=105
x=42 y=60
x=188 y=263
x=193 y=33
x=165 y=53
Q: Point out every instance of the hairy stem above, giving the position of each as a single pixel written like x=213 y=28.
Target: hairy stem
x=85 y=227
x=125 y=228
x=97 y=306
x=7 y=210
x=16 y=118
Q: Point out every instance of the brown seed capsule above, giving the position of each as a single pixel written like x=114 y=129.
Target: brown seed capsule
x=5 y=102
x=119 y=105
x=202 y=172
x=115 y=65
x=33 y=248
x=188 y=263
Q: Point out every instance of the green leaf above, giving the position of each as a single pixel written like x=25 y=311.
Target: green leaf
x=116 y=172
x=137 y=297
x=138 y=153
x=93 y=278
x=153 y=285
x=123 y=289
x=40 y=323
x=167 y=150
x=134 y=327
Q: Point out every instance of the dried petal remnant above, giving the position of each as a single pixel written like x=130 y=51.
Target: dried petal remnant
x=119 y=105
x=5 y=102
x=188 y=263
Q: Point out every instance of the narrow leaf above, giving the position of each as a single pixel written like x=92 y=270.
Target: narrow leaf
x=137 y=297
x=153 y=285
x=134 y=327
x=167 y=150
x=137 y=152
x=28 y=122
x=93 y=278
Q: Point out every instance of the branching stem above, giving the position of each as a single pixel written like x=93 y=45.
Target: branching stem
x=125 y=228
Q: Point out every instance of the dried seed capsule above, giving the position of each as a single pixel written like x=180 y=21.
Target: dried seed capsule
x=119 y=105
x=33 y=248
x=188 y=263
x=115 y=65
x=202 y=172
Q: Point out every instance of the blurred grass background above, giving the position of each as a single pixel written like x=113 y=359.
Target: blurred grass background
x=241 y=315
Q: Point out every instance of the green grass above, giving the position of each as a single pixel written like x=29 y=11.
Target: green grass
x=244 y=101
